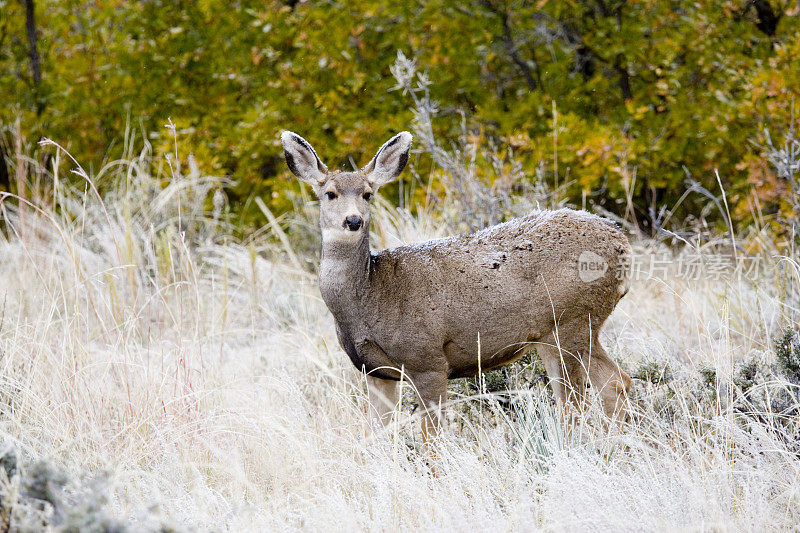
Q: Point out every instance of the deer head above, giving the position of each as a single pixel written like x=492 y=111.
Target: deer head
x=345 y=196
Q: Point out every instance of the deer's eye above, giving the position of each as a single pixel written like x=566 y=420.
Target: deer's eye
x=330 y=195
x=368 y=196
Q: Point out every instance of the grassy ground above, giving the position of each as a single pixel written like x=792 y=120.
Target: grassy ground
x=157 y=374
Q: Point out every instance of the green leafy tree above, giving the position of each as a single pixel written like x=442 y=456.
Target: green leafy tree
x=620 y=100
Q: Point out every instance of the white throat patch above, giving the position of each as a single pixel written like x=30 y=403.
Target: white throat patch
x=340 y=235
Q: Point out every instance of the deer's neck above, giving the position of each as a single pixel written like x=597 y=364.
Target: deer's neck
x=344 y=274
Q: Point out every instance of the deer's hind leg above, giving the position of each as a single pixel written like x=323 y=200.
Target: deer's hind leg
x=609 y=380
x=563 y=364
x=576 y=343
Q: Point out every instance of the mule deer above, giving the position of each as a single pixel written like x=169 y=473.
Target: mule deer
x=452 y=307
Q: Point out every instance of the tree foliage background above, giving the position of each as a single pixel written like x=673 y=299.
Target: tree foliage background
x=619 y=100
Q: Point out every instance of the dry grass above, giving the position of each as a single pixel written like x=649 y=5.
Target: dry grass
x=201 y=379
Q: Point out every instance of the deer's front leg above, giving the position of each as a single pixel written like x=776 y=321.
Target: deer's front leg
x=431 y=389
x=384 y=395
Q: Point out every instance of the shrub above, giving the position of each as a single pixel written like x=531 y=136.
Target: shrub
x=787 y=353
x=654 y=372
x=38 y=496
x=709 y=377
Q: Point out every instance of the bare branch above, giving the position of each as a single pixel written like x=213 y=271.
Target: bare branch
x=511 y=47
x=30 y=26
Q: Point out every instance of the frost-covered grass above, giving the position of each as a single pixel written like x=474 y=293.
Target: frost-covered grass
x=194 y=380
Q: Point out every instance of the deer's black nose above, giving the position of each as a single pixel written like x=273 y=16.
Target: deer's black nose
x=353 y=223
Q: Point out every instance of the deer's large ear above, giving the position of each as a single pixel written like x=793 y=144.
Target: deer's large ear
x=390 y=160
x=302 y=160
